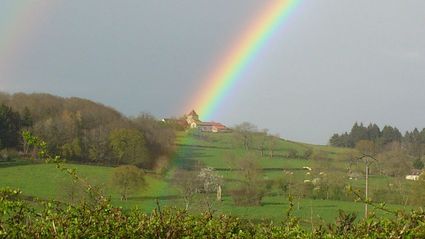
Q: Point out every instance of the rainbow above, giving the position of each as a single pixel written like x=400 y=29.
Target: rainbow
x=19 y=24
x=224 y=77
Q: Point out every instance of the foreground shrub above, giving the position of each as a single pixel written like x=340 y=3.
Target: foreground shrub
x=23 y=219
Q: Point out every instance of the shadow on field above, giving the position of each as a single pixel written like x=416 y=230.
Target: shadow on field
x=162 y=198
x=273 y=203
x=188 y=158
x=202 y=146
x=305 y=205
x=325 y=206
x=262 y=169
x=13 y=163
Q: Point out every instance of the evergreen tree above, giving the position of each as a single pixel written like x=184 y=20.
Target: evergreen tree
x=373 y=132
x=418 y=164
x=10 y=126
x=358 y=132
x=390 y=134
x=27 y=120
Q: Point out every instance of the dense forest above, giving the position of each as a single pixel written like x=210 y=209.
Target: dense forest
x=84 y=131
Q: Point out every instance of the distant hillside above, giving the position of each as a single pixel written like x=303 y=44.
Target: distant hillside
x=85 y=131
x=43 y=106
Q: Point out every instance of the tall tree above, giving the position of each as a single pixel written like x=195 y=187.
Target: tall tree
x=366 y=147
x=159 y=137
x=244 y=132
x=27 y=120
x=262 y=140
x=389 y=135
x=358 y=132
x=272 y=142
x=128 y=178
x=96 y=142
x=129 y=146
x=188 y=183
x=394 y=161
x=252 y=186
x=373 y=132
x=10 y=126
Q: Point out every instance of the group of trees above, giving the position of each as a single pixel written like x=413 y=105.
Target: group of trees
x=84 y=131
x=414 y=143
x=372 y=132
x=251 y=186
x=11 y=124
x=250 y=137
x=388 y=142
x=204 y=182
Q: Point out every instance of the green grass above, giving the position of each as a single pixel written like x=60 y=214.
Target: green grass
x=45 y=181
x=213 y=150
x=275 y=208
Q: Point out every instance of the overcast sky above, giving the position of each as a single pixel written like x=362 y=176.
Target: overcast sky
x=332 y=63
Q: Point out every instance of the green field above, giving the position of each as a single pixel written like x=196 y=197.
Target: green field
x=219 y=151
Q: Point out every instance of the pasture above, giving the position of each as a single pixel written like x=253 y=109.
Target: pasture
x=219 y=151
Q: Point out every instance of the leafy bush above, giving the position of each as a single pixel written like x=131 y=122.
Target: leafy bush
x=292 y=153
x=307 y=154
x=248 y=196
x=252 y=186
x=23 y=219
x=128 y=178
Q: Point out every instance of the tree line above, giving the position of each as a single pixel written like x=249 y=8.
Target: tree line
x=372 y=132
x=11 y=123
x=413 y=141
x=84 y=131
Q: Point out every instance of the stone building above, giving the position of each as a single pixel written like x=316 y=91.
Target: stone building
x=193 y=121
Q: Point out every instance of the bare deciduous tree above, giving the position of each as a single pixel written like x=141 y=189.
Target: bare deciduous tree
x=244 y=132
x=188 y=183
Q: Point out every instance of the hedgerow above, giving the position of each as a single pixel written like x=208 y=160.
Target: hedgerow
x=20 y=218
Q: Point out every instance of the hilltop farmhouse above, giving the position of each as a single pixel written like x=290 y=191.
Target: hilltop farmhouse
x=193 y=121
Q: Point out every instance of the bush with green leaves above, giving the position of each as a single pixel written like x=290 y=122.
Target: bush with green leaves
x=128 y=178
x=252 y=187
x=20 y=218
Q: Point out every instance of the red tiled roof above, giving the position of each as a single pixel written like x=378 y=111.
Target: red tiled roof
x=211 y=124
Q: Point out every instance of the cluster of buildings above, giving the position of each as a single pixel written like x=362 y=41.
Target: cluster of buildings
x=192 y=121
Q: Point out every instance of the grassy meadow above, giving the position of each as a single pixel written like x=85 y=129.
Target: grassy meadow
x=220 y=151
